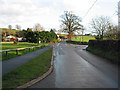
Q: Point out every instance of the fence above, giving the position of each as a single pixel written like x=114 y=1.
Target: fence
x=8 y=50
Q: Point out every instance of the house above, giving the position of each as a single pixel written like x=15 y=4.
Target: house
x=20 y=39
x=11 y=38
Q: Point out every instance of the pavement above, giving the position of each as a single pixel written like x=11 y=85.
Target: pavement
x=13 y=63
x=77 y=68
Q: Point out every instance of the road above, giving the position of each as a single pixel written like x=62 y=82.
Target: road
x=13 y=63
x=77 y=68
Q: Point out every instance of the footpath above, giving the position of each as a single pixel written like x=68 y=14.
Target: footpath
x=13 y=63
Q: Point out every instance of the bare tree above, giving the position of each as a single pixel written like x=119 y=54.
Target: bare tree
x=100 y=25
x=112 y=33
x=70 y=23
x=38 y=27
x=10 y=27
x=18 y=27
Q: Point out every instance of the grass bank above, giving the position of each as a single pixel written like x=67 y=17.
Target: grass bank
x=85 y=38
x=76 y=40
x=12 y=54
x=28 y=71
x=112 y=56
x=6 y=46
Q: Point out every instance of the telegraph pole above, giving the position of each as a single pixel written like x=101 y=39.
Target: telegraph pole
x=119 y=16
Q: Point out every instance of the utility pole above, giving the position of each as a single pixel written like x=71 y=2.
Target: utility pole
x=119 y=19
x=82 y=34
x=119 y=16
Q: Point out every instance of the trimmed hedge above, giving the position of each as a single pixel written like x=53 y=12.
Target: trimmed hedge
x=106 y=45
x=77 y=42
x=109 y=49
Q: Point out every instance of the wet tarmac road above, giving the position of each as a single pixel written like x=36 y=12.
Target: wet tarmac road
x=77 y=68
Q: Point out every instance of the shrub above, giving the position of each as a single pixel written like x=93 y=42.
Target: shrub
x=77 y=42
x=106 y=45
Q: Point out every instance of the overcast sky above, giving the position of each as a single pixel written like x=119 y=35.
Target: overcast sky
x=27 y=13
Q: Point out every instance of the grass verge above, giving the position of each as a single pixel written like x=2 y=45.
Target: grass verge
x=112 y=56
x=6 y=46
x=12 y=54
x=28 y=71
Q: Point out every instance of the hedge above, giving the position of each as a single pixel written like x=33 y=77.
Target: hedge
x=77 y=42
x=106 y=45
x=109 y=49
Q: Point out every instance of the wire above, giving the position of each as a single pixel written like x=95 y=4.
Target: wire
x=89 y=9
x=114 y=14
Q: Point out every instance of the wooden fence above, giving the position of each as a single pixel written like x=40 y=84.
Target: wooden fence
x=8 y=50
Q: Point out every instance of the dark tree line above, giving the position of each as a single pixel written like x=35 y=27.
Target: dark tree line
x=43 y=36
x=31 y=36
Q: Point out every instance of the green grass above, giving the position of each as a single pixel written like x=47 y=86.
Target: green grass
x=12 y=54
x=8 y=30
x=28 y=71
x=112 y=56
x=20 y=45
x=86 y=38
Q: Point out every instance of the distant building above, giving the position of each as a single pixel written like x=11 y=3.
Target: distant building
x=20 y=39
x=119 y=16
x=11 y=38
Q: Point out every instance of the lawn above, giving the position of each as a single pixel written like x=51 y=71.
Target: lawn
x=28 y=71
x=85 y=38
x=12 y=54
x=13 y=31
x=20 y=45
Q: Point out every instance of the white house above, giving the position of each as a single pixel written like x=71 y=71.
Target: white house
x=20 y=39
x=9 y=37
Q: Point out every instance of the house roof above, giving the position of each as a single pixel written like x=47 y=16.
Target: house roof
x=10 y=36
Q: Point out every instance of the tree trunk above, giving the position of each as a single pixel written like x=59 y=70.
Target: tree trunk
x=82 y=36
x=101 y=36
x=70 y=36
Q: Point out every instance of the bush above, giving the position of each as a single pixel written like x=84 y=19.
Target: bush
x=106 y=45
x=112 y=56
x=44 y=36
x=77 y=42
x=109 y=49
